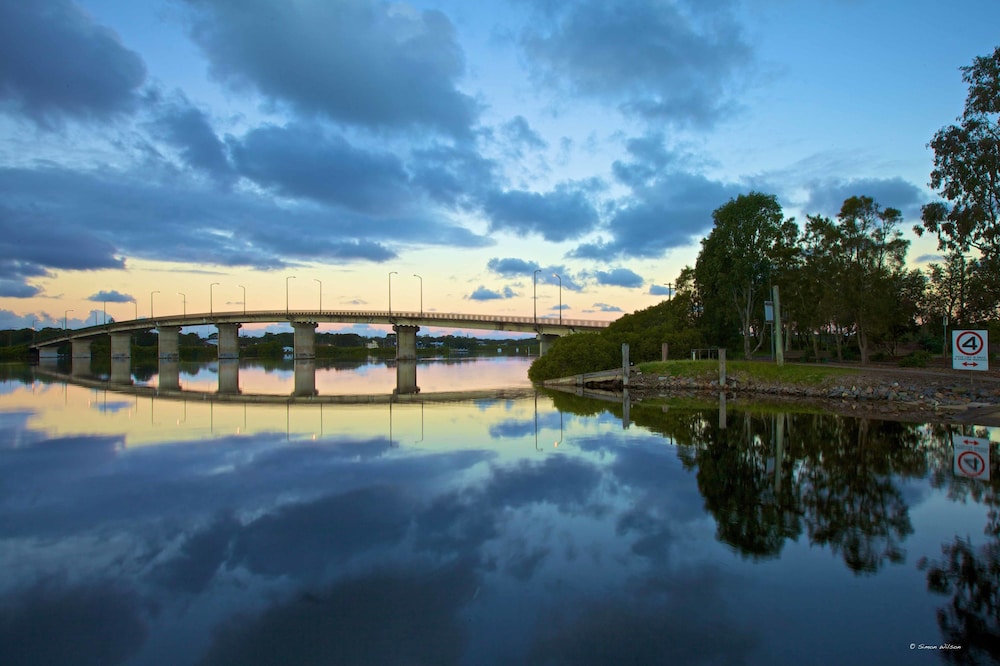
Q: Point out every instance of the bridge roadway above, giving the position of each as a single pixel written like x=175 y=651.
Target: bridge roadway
x=304 y=323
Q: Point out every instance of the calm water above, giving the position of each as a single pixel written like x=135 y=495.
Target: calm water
x=547 y=529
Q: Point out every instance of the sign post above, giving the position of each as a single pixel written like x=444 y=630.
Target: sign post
x=970 y=350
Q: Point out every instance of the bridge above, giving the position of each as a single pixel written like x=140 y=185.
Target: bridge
x=304 y=324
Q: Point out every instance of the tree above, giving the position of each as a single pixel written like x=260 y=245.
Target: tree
x=967 y=169
x=737 y=263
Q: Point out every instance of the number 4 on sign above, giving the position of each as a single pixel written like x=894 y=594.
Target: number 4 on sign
x=971 y=350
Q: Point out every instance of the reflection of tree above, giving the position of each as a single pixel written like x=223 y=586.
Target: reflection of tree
x=972 y=619
x=849 y=494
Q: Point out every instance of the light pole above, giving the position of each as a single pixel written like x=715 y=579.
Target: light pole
x=670 y=289
x=391 y=273
x=556 y=276
x=136 y=304
x=534 y=292
x=105 y=313
x=421 y=293
x=210 y=308
x=184 y=303
x=244 y=297
x=290 y=277
x=151 y=302
x=65 y=318
x=320 y=294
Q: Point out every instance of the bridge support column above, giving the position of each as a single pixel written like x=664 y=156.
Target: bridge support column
x=169 y=342
x=121 y=346
x=305 y=378
x=406 y=342
x=229 y=372
x=121 y=371
x=81 y=348
x=545 y=341
x=406 y=377
x=169 y=375
x=229 y=341
x=48 y=355
x=304 y=339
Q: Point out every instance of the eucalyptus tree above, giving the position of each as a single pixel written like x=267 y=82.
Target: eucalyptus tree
x=744 y=253
x=967 y=172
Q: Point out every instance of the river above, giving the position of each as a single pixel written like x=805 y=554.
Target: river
x=538 y=528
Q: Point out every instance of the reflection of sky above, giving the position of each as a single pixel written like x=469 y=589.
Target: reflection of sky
x=428 y=534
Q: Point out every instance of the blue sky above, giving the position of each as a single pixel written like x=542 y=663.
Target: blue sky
x=151 y=148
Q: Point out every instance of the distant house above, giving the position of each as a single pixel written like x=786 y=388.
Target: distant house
x=372 y=344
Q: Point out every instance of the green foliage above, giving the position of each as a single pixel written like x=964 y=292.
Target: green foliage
x=916 y=359
x=576 y=354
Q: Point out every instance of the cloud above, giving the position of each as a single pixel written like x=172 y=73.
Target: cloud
x=303 y=161
x=659 y=290
x=484 y=294
x=375 y=65
x=188 y=129
x=619 y=277
x=112 y=296
x=604 y=307
x=453 y=175
x=930 y=258
x=827 y=196
x=658 y=61
x=58 y=63
x=562 y=214
x=520 y=136
x=512 y=267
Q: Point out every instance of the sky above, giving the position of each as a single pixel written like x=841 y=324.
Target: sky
x=160 y=156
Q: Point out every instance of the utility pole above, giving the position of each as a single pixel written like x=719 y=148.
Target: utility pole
x=779 y=348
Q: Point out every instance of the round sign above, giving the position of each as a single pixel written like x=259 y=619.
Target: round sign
x=969 y=343
x=971 y=463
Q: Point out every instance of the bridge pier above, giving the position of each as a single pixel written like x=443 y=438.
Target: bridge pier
x=169 y=375
x=304 y=339
x=545 y=341
x=121 y=371
x=229 y=374
x=48 y=355
x=229 y=340
x=168 y=342
x=406 y=377
x=305 y=378
x=121 y=346
x=406 y=342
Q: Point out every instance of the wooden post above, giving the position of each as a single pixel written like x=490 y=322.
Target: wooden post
x=779 y=349
x=722 y=368
x=625 y=364
x=664 y=349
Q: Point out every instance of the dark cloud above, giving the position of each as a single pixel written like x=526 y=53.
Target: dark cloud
x=453 y=175
x=512 y=267
x=604 y=307
x=674 y=62
x=190 y=131
x=112 y=296
x=24 y=252
x=521 y=136
x=562 y=214
x=619 y=277
x=304 y=161
x=827 y=197
x=930 y=258
x=484 y=294
x=58 y=63
x=371 y=64
x=659 y=290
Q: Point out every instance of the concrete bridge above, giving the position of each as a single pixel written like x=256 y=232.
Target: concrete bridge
x=304 y=323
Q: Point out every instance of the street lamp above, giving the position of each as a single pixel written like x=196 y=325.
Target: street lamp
x=184 y=303
x=151 y=302
x=556 y=276
x=391 y=273
x=244 y=297
x=136 y=304
x=421 y=293
x=534 y=292
x=105 y=313
x=210 y=308
x=320 y=294
x=290 y=277
x=65 y=316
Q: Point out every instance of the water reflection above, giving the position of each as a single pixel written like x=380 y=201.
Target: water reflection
x=148 y=530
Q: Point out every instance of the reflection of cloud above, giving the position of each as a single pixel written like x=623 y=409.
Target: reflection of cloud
x=385 y=617
x=57 y=624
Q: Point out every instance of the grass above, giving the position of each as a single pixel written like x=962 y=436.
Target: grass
x=801 y=374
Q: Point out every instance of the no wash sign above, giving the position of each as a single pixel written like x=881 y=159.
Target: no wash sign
x=970 y=350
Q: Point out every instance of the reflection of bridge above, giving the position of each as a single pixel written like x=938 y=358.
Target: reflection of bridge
x=304 y=323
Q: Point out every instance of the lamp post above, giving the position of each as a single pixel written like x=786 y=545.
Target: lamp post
x=244 y=297
x=65 y=318
x=391 y=273
x=290 y=277
x=421 y=293
x=105 y=313
x=184 y=303
x=210 y=308
x=556 y=276
x=136 y=304
x=320 y=294
x=534 y=292
x=151 y=302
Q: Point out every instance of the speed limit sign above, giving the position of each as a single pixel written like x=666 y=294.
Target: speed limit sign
x=970 y=350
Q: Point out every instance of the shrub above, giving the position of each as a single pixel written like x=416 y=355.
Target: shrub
x=917 y=359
